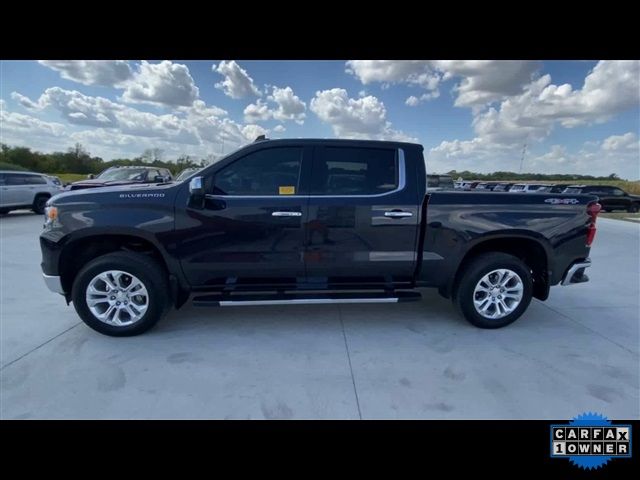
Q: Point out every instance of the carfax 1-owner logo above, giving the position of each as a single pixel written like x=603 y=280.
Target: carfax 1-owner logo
x=590 y=440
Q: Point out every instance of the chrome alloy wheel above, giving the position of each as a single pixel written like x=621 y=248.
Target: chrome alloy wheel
x=117 y=298
x=498 y=293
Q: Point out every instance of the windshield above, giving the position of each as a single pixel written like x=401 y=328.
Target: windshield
x=123 y=174
x=186 y=173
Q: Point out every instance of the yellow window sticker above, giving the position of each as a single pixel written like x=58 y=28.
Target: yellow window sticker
x=286 y=190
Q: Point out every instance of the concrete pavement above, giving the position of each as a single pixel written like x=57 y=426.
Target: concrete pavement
x=578 y=351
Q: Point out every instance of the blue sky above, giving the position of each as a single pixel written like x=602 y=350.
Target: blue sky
x=574 y=116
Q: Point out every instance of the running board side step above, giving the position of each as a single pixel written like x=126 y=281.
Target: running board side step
x=219 y=300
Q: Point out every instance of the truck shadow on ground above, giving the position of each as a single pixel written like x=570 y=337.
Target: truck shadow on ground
x=432 y=312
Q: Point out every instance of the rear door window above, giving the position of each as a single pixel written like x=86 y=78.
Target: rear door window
x=354 y=171
x=35 y=180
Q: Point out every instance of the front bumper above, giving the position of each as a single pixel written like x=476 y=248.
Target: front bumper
x=53 y=283
x=575 y=273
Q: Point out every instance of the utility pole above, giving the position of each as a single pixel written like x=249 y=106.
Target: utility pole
x=524 y=151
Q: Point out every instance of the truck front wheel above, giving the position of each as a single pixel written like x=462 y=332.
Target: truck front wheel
x=494 y=290
x=121 y=294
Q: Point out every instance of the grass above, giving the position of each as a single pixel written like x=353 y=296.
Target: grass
x=70 y=177
x=622 y=216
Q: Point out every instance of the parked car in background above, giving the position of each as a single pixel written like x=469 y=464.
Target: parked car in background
x=489 y=186
x=116 y=176
x=186 y=173
x=56 y=180
x=558 y=187
x=465 y=185
x=529 y=188
x=611 y=198
x=439 y=182
x=26 y=190
x=503 y=187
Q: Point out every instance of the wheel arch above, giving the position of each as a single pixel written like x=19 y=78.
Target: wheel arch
x=533 y=251
x=85 y=246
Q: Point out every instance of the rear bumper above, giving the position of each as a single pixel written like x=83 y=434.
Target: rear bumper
x=53 y=283
x=575 y=273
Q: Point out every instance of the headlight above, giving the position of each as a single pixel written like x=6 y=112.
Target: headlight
x=50 y=215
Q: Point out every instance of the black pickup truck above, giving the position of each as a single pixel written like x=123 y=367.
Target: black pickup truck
x=305 y=222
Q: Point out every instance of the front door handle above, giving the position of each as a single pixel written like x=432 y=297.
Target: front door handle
x=398 y=214
x=286 y=214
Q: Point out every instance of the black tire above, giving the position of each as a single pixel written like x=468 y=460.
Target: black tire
x=145 y=268
x=633 y=208
x=40 y=203
x=473 y=273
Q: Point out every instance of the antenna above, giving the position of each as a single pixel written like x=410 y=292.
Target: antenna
x=524 y=151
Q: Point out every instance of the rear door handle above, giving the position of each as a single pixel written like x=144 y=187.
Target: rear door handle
x=398 y=214
x=286 y=214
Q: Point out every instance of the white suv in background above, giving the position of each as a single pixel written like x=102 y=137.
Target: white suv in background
x=26 y=190
x=530 y=188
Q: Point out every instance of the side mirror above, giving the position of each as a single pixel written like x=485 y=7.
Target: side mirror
x=91 y=176
x=196 y=192
x=158 y=179
x=195 y=187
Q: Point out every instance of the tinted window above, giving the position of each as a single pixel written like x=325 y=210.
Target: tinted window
x=617 y=192
x=35 y=180
x=354 y=171
x=597 y=189
x=22 y=179
x=273 y=171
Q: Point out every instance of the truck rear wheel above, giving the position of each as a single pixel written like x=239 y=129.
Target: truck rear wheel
x=494 y=290
x=121 y=294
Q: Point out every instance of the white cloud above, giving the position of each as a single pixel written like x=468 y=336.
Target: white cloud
x=237 y=83
x=92 y=72
x=279 y=129
x=26 y=102
x=26 y=126
x=251 y=132
x=163 y=83
x=482 y=81
x=286 y=105
x=485 y=81
x=290 y=107
x=75 y=106
x=18 y=129
x=200 y=108
x=188 y=129
x=616 y=154
x=414 y=101
x=417 y=72
x=365 y=117
x=612 y=87
x=621 y=142
x=257 y=112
